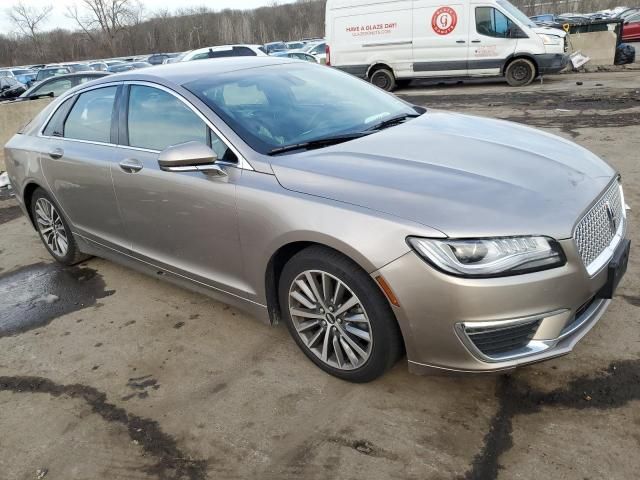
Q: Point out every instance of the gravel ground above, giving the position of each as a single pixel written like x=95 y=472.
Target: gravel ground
x=106 y=373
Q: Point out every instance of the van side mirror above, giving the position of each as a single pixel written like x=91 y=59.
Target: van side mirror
x=190 y=157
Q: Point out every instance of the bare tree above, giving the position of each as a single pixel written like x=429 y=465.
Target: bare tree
x=104 y=20
x=28 y=21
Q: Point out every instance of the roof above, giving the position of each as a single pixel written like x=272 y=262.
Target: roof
x=185 y=72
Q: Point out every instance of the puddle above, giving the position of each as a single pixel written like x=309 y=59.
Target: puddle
x=34 y=295
x=9 y=213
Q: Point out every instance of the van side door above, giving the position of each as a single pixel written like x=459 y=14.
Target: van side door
x=440 y=39
x=493 y=39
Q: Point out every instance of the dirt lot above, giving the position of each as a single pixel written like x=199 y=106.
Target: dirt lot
x=105 y=373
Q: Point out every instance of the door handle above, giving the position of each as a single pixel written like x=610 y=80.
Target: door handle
x=130 y=165
x=56 y=153
x=475 y=41
x=460 y=41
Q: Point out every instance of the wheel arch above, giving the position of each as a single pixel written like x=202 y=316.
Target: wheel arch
x=27 y=196
x=285 y=252
x=377 y=65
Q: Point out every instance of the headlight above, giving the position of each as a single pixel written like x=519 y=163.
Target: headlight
x=490 y=257
x=551 y=39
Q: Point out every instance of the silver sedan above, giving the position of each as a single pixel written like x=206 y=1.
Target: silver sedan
x=369 y=226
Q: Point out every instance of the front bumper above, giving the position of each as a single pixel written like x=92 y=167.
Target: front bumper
x=551 y=62
x=439 y=313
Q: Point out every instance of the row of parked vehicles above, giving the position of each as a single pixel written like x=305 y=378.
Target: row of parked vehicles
x=36 y=81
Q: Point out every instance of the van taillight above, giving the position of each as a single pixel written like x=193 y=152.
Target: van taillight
x=327 y=50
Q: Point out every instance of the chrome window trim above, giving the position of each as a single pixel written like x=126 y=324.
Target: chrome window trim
x=242 y=161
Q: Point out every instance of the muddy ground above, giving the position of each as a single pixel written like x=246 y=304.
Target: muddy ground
x=105 y=373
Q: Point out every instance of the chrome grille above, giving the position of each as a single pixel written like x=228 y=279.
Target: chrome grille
x=597 y=229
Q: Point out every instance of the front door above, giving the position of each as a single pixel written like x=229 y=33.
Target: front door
x=185 y=222
x=76 y=161
x=439 y=39
x=490 y=43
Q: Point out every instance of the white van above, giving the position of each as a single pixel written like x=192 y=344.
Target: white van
x=390 y=42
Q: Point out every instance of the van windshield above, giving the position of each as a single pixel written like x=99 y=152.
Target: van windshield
x=515 y=13
x=276 y=107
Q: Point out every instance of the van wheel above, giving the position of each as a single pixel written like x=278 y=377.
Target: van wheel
x=383 y=78
x=520 y=72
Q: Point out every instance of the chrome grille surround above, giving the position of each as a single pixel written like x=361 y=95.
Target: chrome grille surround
x=601 y=229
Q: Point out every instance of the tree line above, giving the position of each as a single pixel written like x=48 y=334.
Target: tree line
x=118 y=28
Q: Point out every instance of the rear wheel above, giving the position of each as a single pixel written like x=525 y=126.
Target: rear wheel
x=54 y=230
x=520 y=72
x=338 y=316
x=383 y=78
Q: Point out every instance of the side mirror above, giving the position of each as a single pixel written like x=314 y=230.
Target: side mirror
x=190 y=157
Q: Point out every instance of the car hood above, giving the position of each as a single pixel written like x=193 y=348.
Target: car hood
x=465 y=176
x=549 y=31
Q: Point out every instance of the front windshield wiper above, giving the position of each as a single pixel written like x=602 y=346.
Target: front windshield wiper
x=319 y=142
x=390 y=122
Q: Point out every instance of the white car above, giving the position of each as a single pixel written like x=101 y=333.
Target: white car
x=223 y=51
x=390 y=42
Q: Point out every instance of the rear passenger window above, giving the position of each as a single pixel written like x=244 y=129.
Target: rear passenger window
x=492 y=22
x=158 y=120
x=55 y=127
x=90 y=117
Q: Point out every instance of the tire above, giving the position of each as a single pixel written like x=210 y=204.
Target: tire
x=55 y=233
x=520 y=72
x=383 y=78
x=362 y=359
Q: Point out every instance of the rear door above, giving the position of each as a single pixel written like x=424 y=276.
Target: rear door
x=490 y=43
x=631 y=28
x=79 y=149
x=439 y=39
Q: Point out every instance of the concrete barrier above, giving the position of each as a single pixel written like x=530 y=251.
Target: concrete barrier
x=600 y=47
x=14 y=115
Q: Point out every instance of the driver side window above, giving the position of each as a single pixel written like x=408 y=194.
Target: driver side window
x=492 y=22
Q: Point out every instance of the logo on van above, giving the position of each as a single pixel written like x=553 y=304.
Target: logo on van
x=444 y=20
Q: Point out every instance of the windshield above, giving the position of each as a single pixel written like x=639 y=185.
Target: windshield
x=516 y=14
x=282 y=105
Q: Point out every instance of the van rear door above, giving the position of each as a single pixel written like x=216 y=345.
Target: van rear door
x=490 y=32
x=440 y=35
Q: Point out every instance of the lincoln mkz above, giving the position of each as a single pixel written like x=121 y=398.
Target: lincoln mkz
x=369 y=226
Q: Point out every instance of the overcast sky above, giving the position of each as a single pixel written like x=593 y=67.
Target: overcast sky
x=58 y=18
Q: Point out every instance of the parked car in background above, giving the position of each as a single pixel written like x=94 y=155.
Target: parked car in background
x=274 y=47
x=160 y=58
x=297 y=55
x=111 y=63
x=23 y=75
x=36 y=67
x=317 y=49
x=222 y=51
x=631 y=28
x=77 y=67
x=49 y=72
x=99 y=66
x=10 y=87
x=295 y=45
x=125 y=67
x=305 y=196
x=56 y=86
x=468 y=39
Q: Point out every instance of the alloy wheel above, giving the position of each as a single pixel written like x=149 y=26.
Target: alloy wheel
x=330 y=320
x=51 y=228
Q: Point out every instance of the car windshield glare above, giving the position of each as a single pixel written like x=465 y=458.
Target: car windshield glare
x=282 y=105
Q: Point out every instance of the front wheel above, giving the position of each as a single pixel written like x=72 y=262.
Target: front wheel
x=520 y=72
x=338 y=316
